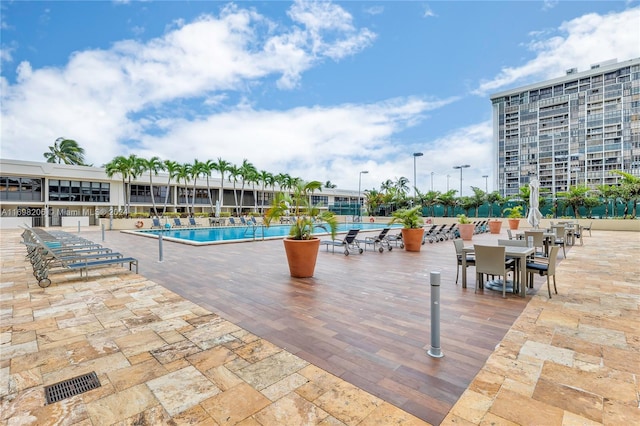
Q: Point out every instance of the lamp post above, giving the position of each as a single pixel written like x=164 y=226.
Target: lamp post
x=486 y=183
x=463 y=166
x=415 y=184
x=359 y=186
x=432 y=173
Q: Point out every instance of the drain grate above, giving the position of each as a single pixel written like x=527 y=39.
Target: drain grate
x=71 y=387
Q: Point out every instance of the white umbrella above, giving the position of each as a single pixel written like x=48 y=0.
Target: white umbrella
x=217 y=208
x=534 y=216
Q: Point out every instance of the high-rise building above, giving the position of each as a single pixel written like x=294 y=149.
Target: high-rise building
x=572 y=130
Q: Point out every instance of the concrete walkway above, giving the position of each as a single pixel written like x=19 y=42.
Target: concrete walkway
x=574 y=359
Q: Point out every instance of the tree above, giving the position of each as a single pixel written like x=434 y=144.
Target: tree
x=172 y=168
x=234 y=173
x=222 y=167
x=65 y=151
x=373 y=200
x=448 y=199
x=575 y=198
x=494 y=198
x=265 y=178
x=246 y=171
x=478 y=198
x=329 y=185
x=629 y=191
x=184 y=173
x=153 y=166
x=129 y=168
x=197 y=170
x=207 y=168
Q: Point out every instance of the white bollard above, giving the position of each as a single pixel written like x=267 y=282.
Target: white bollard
x=435 y=351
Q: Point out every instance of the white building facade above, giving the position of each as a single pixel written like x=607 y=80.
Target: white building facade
x=573 y=130
x=49 y=194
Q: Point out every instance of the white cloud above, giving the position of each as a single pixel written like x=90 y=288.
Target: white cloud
x=583 y=41
x=105 y=98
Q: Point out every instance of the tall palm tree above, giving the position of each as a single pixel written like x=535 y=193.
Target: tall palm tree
x=153 y=166
x=184 y=173
x=629 y=190
x=129 y=168
x=265 y=178
x=172 y=168
x=234 y=173
x=197 y=170
x=115 y=166
x=246 y=172
x=207 y=168
x=222 y=167
x=65 y=151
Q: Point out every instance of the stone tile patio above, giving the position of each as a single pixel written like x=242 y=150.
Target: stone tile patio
x=574 y=359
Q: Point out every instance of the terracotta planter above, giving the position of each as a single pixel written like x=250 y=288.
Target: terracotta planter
x=302 y=255
x=466 y=231
x=495 y=226
x=514 y=224
x=412 y=238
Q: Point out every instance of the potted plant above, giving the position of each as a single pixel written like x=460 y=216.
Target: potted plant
x=466 y=227
x=495 y=225
x=301 y=246
x=412 y=231
x=514 y=214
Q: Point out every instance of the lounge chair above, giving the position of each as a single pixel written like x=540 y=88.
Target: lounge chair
x=349 y=243
x=232 y=221
x=156 y=223
x=380 y=241
x=177 y=223
x=192 y=222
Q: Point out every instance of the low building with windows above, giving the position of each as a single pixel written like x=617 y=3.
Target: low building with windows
x=50 y=194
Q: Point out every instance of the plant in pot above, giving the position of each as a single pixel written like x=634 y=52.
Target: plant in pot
x=466 y=227
x=514 y=214
x=412 y=231
x=301 y=246
x=495 y=225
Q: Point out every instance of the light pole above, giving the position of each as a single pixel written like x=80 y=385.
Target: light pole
x=359 y=186
x=432 y=173
x=415 y=184
x=486 y=183
x=463 y=166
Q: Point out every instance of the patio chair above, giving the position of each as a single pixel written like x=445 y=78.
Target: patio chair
x=192 y=222
x=560 y=238
x=396 y=239
x=538 y=240
x=588 y=228
x=349 y=243
x=510 y=234
x=548 y=269
x=471 y=259
x=380 y=241
x=156 y=223
x=177 y=223
x=491 y=260
x=232 y=221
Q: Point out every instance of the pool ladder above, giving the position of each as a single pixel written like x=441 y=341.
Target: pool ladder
x=251 y=231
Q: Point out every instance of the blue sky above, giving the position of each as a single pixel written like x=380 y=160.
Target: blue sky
x=318 y=90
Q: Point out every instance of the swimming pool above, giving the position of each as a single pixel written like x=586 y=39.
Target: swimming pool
x=235 y=234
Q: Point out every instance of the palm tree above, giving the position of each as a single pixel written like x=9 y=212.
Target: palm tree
x=373 y=200
x=246 y=171
x=129 y=168
x=265 y=178
x=329 y=185
x=208 y=167
x=184 y=173
x=402 y=184
x=575 y=198
x=478 y=198
x=234 y=173
x=153 y=166
x=222 y=167
x=65 y=151
x=494 y=198
x=172 y=168
x=197 y=170
x=629 y=190
x=448 y=199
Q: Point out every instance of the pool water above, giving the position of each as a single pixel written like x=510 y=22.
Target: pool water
x=244 y=233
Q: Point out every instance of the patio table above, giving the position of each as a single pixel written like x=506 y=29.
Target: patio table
x=521 y=253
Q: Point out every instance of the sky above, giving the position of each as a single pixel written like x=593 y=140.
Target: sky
x=319 y=90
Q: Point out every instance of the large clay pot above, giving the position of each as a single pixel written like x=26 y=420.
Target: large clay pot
x=495 y=226
x=514 y=224
x=412 y=238
x=302 y=255
x=466 y=231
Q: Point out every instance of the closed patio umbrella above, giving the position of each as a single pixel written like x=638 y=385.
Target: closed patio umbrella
x=534 y=215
